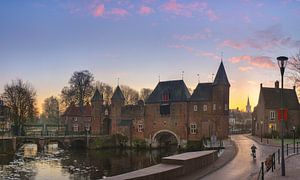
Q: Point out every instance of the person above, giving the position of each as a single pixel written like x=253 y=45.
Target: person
x=253 y=149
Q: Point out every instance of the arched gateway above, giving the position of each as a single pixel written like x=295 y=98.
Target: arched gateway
x=165 y=137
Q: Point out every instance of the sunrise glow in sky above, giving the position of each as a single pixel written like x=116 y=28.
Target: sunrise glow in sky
x=44 y=42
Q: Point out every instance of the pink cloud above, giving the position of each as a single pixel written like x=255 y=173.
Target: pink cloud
x=145 y=10
x=245 y=68
x=183 y=9
x=232 y=44
x=119 y=12
x=99 y=10
x=211 y=15
x=254 y=61
x=195 y=51
x=269 y=38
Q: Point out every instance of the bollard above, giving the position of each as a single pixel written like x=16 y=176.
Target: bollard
x=287 y=149
x=278 y=156
x=262 y=170
x=297 y=148
x=273 y=161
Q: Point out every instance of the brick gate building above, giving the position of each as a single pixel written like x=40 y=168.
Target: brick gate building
x=170 y=115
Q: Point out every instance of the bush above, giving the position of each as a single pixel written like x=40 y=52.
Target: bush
x=195 y=145
x=139 y=144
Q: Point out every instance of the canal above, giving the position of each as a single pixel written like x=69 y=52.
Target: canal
x=54 y=163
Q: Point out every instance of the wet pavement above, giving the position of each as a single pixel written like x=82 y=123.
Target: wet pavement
x=243 y=166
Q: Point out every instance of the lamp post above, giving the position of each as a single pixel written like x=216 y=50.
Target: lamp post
x=282 y=62
x=261 y=126
x=294 y=132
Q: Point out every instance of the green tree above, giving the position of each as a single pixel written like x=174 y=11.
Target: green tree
x=20 y=97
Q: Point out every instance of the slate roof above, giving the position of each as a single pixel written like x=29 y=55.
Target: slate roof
x=177 y=90
x=221 y=77
x=97 y=96
x=271 y=98
x=118 y=94
x=203 y=92
x=78 y=111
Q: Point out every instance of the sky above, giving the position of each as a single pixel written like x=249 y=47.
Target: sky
x=140 y=41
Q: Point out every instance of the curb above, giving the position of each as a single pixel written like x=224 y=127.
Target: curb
x=225 y=163
x=250 y=137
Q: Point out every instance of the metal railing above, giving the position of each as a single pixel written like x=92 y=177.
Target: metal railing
x=270 y=163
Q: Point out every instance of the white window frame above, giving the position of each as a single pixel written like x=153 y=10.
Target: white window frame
x=75 y=128
x=140 y=127
x=195 y=107
x=272 y=115
x=193 y=128
x=75 y=119
x=214 y=107
x=204 y=107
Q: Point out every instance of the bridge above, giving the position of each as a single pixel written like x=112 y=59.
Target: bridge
x=63 y=141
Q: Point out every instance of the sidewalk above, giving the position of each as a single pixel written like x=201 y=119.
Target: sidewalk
x=265 y=141
x=292 y=169
x=229 y=153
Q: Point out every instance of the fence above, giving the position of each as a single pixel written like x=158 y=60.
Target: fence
x=270 y=162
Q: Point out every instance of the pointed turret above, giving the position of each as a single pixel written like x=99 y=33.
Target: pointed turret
x=248 y=107
x=97 y=96
x=221 y=77
x=118 y=95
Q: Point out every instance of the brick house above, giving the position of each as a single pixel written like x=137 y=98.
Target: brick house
x=170 y=114
x=5 y=122
x=265 y=116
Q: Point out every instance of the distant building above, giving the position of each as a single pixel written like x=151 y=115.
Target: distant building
x=239 y=121
x=265 y=116
x=248 y=107
x=170 y=114
x=5 y=121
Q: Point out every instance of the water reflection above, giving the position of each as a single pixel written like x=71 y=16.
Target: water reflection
x=54 y=163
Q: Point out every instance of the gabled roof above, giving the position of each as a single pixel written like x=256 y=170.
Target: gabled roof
x=203 y=92
x=78 y=111
x=177 y=92
x=118 y=94
x=221 y=77
x=97 y=96
x=271 y=98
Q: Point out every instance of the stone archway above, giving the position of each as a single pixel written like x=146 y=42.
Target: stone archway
x=164 y=138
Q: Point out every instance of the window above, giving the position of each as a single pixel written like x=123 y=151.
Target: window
x=205 y=107
x=106 y=112
x=195 y=108
x=87 y=127
x=272 y=115
x=226 y=107
x=75 y=119
x=214 y=107
x=75 y=127
x=165 y=109
x=193 y=128
x=165 y=97
x=140 y=127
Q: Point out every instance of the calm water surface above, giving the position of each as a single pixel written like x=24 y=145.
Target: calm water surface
x=76 y=164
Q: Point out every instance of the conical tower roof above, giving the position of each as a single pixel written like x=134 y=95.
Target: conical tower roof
x=221 y=77
x=97 y=96
x=118 y=94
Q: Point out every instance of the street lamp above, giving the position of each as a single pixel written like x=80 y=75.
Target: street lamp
x=261 y=126
x=294 y=132
x=282 y=62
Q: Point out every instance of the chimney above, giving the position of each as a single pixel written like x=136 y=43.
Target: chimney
x=261 y=85
x=277 y=84
x=294 y=87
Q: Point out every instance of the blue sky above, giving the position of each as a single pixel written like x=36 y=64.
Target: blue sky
x=44 y=42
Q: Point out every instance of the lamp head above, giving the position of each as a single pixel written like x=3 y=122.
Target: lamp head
x=282 y=61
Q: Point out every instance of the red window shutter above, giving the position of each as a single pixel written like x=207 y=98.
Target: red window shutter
x=279 y=114
x=285 y=115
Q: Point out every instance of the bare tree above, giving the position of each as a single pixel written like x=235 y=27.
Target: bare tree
x=106 y=90
x=145 y=93
x=131 y=96
x=80 y=90
x=51 y=108
x=20 y=97
x=294 y=67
